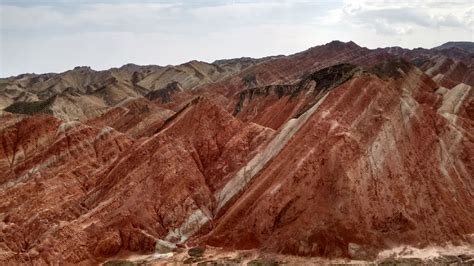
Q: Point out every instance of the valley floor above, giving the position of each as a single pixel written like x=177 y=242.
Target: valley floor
x=403 y=255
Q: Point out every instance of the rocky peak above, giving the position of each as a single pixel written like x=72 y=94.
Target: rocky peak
x=341 y=45
x=83 y=69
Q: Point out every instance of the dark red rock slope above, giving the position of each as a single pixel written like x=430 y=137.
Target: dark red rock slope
x=378 y=162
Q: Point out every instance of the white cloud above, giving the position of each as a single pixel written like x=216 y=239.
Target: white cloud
x=89 y=16
x=239 y=10
x=20 y=18
x=401 y=17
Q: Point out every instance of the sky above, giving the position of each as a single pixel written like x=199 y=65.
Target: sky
x=39 y=36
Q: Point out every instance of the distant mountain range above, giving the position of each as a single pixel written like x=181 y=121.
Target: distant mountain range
x=466 y=46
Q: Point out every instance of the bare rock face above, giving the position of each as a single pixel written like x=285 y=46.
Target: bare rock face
x=366 y=154
x=136 y=117
x=110 y=244
x=338 y=151
x=105 y=174
x=274 y=104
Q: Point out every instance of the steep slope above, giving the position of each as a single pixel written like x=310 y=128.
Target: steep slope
x=46 y=160
x=447 y=64
x=102 y=175
x=137 y=117
x=381 y=161
x=219 y=153
x=273 y=105
x=447 y=72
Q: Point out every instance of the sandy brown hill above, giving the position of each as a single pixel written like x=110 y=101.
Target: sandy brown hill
x=88 y=93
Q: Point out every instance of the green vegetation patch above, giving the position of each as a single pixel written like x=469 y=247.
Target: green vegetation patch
x=30 y=107
x=196 y=251
x=262 y=262
x=119 y=263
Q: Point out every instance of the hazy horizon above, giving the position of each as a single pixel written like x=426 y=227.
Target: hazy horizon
x=54 y=36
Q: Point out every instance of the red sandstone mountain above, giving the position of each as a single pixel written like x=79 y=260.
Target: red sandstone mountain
x=365 y=154
x=338 y=151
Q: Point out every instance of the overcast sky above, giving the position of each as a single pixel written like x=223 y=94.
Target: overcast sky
x=53 y=36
